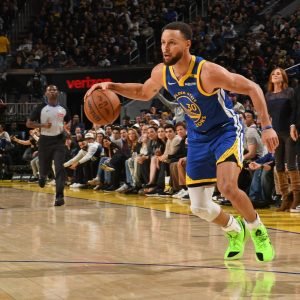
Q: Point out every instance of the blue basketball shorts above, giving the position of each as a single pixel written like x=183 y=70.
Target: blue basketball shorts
x=205 y=151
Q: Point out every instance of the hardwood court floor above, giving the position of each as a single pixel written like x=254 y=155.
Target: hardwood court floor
x=112 y=246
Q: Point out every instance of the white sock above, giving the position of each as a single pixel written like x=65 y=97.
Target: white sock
x=232 y=225
x=255 y=224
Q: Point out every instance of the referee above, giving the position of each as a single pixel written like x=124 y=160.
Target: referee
x=50 y=117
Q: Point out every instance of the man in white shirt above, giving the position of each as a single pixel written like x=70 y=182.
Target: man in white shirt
x=88 y=156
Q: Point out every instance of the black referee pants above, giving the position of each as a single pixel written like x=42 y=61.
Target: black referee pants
x=52 y=148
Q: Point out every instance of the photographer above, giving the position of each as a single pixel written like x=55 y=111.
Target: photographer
x=37 y=85
x=5 y=147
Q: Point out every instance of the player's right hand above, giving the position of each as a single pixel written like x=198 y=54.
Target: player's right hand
x=101 y=85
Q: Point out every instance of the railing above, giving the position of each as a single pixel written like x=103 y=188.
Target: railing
x=17 y=112
x=193 y=11
x=293 y=70
x=150 y=44
x=21 y=21
x=180 y=17
x=134 y=56
x=204 y=7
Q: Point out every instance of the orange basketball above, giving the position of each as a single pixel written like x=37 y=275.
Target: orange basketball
x=102 y=107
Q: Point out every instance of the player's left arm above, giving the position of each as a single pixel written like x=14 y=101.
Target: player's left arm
x=214 y=76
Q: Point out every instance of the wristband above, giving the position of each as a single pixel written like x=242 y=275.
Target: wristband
x=267 y=127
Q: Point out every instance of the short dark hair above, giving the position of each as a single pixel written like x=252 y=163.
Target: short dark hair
x=184 y=28
x=153 y=127
x=180 y=124
x=169 y=126
x=251 y=112
x=106 y=137
x=117 y=128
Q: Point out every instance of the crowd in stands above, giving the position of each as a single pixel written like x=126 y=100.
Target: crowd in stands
x=104 y=33
x=8 y=12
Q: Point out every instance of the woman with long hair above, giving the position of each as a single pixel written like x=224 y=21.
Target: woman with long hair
x=279 y=101
x=130 y=165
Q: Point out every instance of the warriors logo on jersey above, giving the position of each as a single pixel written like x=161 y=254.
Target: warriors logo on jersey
x=187 y=101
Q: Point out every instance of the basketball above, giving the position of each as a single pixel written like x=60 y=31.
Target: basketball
x=102 y=107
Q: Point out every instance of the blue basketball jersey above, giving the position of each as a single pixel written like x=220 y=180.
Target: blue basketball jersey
x=203 y=111
x=214 y=131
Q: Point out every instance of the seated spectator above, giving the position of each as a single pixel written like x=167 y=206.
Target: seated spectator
x=254 y=149
x=87 y=158
x=116 y=136
x=161 y=161
x=114 y=163
x=177 y=163
x=110 y=169
x=130 y=165
x=237 y=106
x=254 y=145
x=262 y=183
x=32 y=142
x=150 y=166
x=142 y=161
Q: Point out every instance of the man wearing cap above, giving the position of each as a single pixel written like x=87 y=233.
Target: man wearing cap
x=237 y=106
x=87 y=157
x=51 y=118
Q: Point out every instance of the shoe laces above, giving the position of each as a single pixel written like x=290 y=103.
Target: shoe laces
x=233 y=238
x=261 y=238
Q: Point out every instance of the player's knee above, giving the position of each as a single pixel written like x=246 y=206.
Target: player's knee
x=207 y=213
x=227 y=189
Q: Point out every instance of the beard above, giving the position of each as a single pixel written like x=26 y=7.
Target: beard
x=173 y=60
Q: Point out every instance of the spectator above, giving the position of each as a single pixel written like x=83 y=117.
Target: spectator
x=254 y=145
x=4 y=135
x=87 y=158
x=162 y=161
x=279 y=100
x=5 y=148
x=37 y=84
x=294 y=133
x=237 y=106
x=177 y=163
x=115 y=163
x=4 y=49
x=130 y=163
x=31 y=153
x=262 y=183
x=75 y=123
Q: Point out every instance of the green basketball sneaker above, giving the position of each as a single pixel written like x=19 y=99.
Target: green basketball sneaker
x=262 y=244
x=237 y=242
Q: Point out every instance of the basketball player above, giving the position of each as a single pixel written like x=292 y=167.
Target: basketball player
x=214 y=134
x=51 y=117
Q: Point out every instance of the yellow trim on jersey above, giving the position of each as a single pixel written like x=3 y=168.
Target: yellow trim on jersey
x=165 y=77
x=189 y=180
x=233 y=150
x=201 y=90
x=188 y=73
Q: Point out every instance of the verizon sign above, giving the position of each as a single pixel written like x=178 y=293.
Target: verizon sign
x=86 y=83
